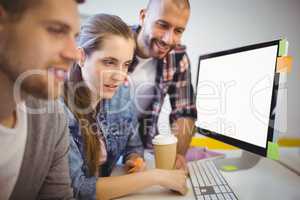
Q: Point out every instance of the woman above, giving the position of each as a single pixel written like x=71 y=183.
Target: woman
x=104 y=129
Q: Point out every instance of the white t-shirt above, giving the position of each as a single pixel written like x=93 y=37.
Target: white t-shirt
x=142 y=83
x=12 y=147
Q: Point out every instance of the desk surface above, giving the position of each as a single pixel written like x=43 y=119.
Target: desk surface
x=266 y=180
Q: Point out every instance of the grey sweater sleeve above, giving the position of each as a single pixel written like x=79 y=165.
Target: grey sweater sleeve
x=57 y=184
x=44 y=173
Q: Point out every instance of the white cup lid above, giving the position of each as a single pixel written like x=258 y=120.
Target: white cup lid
x=164 y=139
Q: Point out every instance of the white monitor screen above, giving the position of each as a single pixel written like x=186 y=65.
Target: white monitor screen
x=234 y=94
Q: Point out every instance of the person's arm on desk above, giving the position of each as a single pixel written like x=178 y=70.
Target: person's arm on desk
x=118 y=186
x=183 y=130
x=184 y=112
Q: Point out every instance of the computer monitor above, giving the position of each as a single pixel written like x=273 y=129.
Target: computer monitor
x=236 y=95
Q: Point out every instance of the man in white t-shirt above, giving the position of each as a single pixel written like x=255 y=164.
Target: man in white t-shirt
x=37 y=44
x=161 y=70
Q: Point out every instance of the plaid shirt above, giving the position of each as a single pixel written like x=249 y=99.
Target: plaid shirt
x=173 y=80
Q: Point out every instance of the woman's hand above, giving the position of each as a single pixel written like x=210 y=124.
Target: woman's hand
x=172 y=179
x=180 y=163
x=135 y=163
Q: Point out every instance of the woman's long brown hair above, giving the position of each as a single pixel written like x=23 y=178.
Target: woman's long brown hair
x=76 y=94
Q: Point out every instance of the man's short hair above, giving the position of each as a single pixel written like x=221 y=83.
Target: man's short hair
x=18 y=7
x=179 y=3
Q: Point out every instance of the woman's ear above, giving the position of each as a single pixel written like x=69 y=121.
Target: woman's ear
x=81 y=56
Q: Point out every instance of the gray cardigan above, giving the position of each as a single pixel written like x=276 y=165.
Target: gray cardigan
x=44 y=172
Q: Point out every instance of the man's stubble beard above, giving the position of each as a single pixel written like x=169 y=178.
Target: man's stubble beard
x=34 y=86
x=151 y=49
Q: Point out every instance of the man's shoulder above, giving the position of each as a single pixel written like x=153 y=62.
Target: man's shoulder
x=44 y=107
x=46 y=139
x=46 y=119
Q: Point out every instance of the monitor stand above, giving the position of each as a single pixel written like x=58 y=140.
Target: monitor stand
x=246 y=161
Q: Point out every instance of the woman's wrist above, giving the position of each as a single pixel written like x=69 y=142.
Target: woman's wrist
x=156 y=176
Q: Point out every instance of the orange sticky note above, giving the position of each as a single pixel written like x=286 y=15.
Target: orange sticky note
x=284 y=64
x=138 y=162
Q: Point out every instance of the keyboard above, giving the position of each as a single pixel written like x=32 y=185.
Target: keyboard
x=207 y=181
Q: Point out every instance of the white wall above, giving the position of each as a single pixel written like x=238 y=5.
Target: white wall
x=218 y=25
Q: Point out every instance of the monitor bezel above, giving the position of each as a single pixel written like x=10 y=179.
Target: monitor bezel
x=232 y=141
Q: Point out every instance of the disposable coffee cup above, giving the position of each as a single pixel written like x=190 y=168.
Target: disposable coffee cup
x=164 y=151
